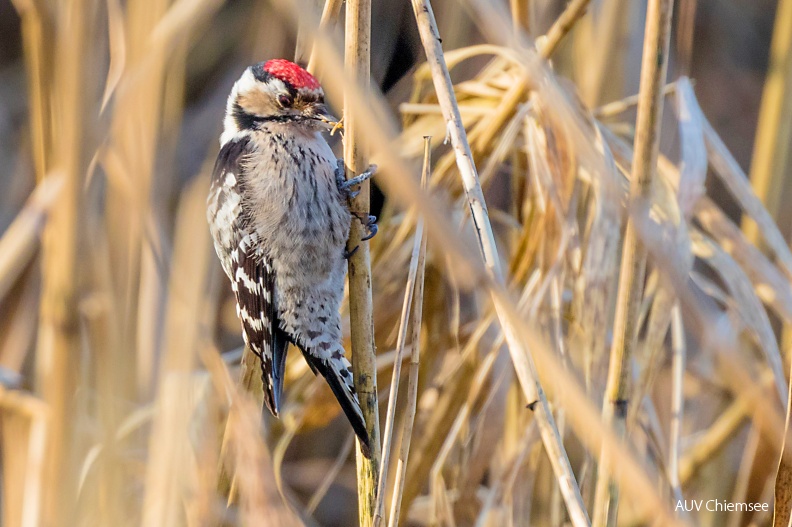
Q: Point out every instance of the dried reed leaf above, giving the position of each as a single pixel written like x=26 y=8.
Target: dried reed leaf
x=180 y=394
x=693 y=156
x=415 y=267
x=718 y=434
x=167 y=481
x=20 y=240
x=769 y=284
x=563 y=226
x=115 y=23
x=727 y=168
x=745 y=301
x=24 y=443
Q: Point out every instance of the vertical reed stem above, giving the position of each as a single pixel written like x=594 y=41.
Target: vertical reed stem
x=633 y=262
x=521 y=358
x=521 y=15
x=58 y=333
x=413 y=291
x=357 y=65
x=329 y=14
x=770 y=163
x=677 y=398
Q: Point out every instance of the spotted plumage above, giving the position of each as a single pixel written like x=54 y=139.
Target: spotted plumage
x=278 y=215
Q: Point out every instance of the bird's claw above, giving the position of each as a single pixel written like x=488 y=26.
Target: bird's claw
x=348 y=254
x=345 y=185
x=370 y=223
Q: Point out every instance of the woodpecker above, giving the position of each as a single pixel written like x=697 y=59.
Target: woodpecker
x=278 y=213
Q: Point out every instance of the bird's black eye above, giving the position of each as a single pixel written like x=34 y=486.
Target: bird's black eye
x=285 y=100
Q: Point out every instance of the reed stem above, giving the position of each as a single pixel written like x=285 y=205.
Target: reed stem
x=523 y=363
x=770 y=160
x=58 y=341
x=633 y=261
x=413 y=300
x=329 y=15
x=357 y=62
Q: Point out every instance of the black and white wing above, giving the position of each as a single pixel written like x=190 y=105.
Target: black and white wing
x=248 y=267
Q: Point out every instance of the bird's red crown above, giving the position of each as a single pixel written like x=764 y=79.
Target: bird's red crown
x=291 y=73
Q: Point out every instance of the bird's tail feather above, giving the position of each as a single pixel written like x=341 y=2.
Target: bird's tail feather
x=338 y=374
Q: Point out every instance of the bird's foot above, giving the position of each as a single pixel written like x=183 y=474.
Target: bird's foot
x=348 y=254
x=369 y=223
x=345 y=185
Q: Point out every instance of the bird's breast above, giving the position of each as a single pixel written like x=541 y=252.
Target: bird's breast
x=292 y=198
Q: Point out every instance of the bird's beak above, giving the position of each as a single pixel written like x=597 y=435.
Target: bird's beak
x=322 y=114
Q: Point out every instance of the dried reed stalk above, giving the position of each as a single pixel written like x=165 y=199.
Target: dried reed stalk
x=414 y=288
x=782 y=507
x=38 y=39
x=614 y=108
x=331 y=475
x=399 y=185
x=771 y=286
x=521 y=15
x=137 y=83
x=20 y=240
x=769 y=167
x=770 y=160
x=677 y=398
x=726 y=167
x=357 y=63
x=260 y=502
x=186 y=314
x=23 y=433
x=608 y=30
x=562 y=25
x=718 y=435
x=686 y=28
x=329 y=15
x=633 y=262
x=526 y=371
x=412 y=396
x=387 y=445
x=590 y=429
x=58 y=344
x=390 y=414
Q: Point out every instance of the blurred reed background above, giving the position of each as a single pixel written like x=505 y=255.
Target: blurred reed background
x=119 y=344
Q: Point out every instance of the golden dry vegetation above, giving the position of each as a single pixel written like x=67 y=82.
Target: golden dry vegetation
x=580 y=297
